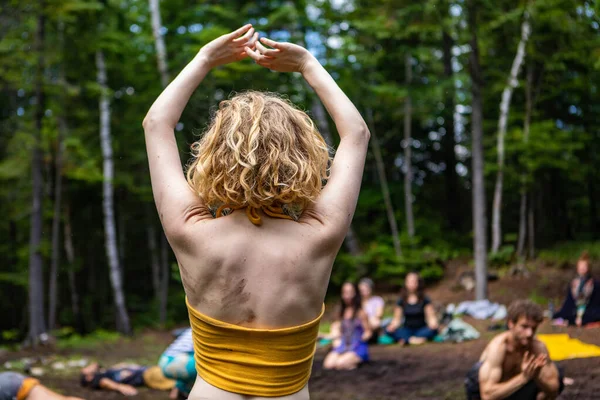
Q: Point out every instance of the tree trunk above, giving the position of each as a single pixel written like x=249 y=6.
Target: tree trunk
x=37 y=323
x=502 y=122
x=154 y=262
x=479 y=218
x=107 y=201
x=70 y=252
x=526 y=128
x=408 y=175
x=159 y=43
x=58 y=162
x=53 y=291
x=531 y=226
x=453 y=208
x=391 y=216
x=164 y=279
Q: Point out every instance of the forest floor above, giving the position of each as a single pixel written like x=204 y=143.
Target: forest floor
x=431 y=371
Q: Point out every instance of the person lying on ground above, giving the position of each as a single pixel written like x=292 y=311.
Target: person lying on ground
x=124 y=378
x=515 y=365
x=582 y=303
x=254 y=230
x=177 y=363
x=420 y=322
x=15 y=386
x=355 y=331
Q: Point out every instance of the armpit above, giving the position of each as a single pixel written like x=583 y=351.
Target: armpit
x=196 y=212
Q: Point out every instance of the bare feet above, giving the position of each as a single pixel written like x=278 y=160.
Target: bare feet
x=416 y=340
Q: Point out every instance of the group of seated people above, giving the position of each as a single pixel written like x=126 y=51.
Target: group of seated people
x=359 y=321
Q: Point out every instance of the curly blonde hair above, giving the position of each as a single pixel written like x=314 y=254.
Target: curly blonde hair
x=260 y=152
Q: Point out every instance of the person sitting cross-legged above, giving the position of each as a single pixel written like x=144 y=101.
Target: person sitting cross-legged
x=420 y=322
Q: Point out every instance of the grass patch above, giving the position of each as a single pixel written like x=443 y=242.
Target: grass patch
x=96 y=338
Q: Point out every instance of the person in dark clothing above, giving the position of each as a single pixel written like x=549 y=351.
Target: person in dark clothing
x=582 y=304
x=420 y=322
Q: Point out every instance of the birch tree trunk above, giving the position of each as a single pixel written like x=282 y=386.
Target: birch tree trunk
x=376 y=149
x=502 y=122
x=523 y=205
x=408 y=175
x=37 y=321
x=479 y=218
x=159 y=43
x=123 y=324
x=161 y=58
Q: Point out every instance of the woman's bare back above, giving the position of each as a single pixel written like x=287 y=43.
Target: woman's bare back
x=269 y=276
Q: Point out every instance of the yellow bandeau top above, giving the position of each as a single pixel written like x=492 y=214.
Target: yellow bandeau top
x=251 y=361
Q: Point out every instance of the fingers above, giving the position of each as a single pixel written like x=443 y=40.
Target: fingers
x=256 y=56
x=240 y=31
x=272 y=43
x=246 y=36
x=266 y=52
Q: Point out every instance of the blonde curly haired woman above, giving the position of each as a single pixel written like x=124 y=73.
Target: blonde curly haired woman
x=254 y=229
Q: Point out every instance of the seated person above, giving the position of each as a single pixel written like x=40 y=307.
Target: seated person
x=177 y=363
x=124 y=378
x=420 y=322
x=582 y=304
x=515 y=365
x=351 y=349
x=372 y=305
x=14 y=386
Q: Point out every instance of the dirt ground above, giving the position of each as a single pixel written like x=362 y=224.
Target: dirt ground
x=431 y=371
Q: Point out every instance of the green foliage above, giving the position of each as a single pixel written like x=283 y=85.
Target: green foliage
x=569 y=252
x=90 y=341
x=504 y=256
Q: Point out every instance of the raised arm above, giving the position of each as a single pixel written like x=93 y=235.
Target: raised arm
x=337 y=202
x=172 y=194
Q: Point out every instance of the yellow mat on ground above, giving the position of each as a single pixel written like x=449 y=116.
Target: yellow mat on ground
x=562 y=347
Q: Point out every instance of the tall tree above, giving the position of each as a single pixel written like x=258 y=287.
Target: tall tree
x=478 y=186
x=383 y=182
x=452 y=188
x=37 y=321
x=58 y=176
x=161 y=58
x=110 y=230
x=526 y=130
x=511 y=84
x=408 y=173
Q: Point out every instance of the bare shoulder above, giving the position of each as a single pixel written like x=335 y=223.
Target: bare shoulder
x=496 y=349
x=538 y=347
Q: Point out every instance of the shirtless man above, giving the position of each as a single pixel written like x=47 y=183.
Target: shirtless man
x=515 y=365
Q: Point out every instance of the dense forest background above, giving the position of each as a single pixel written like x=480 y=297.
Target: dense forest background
x=484 y=121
